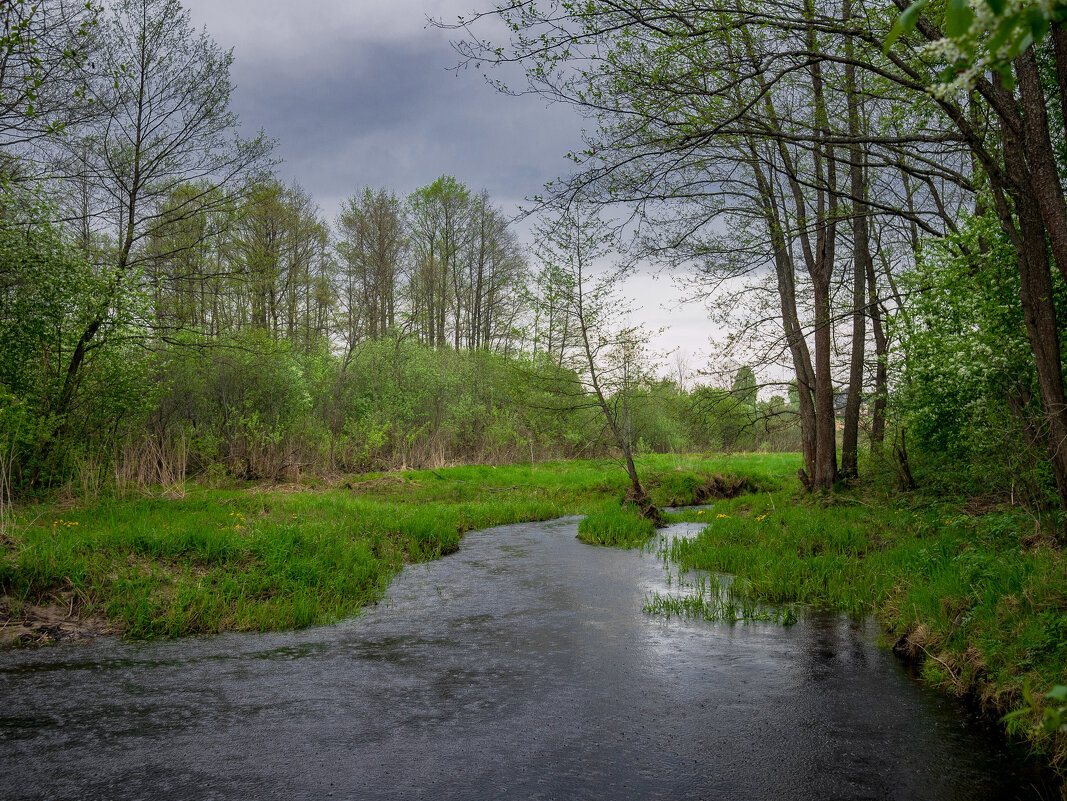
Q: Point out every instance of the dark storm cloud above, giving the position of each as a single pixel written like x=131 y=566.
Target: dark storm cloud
x=392 y=113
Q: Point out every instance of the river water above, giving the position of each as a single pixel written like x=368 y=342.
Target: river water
x=520 y=667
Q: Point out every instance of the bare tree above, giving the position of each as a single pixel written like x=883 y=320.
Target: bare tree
x=603 y=361
x=45 y=48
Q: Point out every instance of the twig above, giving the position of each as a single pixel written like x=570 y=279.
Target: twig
x=942 y=663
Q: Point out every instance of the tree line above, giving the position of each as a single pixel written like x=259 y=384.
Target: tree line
x=869 y=196
x=169 y=306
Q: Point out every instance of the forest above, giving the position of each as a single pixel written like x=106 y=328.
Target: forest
x=172 y=309
x=867 y=195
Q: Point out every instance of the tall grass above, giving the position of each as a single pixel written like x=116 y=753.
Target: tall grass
x=7 y=456
x=617 y=525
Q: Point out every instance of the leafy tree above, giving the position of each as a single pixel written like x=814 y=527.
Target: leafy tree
x=373 y=240
x=969 y=395
x=45 y=47
x=744 y=386
x=166 y=123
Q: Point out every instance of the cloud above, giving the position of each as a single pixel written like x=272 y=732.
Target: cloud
x=365 y=96
x=360 y=92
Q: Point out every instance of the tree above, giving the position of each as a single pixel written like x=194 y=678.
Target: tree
x=438 y=214
x=730 y=110
x=372 y=242
x=602 y=357
x=45 y=287
x=988 y=35
x=166 y=122
x=44 y=52
x=744 y=387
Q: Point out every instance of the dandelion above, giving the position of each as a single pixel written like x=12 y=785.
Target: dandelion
x=700 y=512
x=722 y=515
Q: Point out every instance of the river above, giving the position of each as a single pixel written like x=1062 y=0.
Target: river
x=521 y=667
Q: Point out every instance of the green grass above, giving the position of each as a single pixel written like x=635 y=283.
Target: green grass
x=975 y=598
x=617 y=525
x=257 y=558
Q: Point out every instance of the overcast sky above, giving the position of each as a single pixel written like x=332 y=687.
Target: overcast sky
x=360 y=92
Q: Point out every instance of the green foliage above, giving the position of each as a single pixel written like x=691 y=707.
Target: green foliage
x=48 y=294
x=213 y=560
x=969 y=398
x=987 y=40
x=744 y=386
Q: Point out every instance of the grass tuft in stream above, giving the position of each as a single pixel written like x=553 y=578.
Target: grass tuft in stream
x=616 y=525
x=719 y=600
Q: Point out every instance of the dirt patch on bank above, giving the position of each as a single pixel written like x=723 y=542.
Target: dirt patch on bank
x=719 y=487
x=60 y=621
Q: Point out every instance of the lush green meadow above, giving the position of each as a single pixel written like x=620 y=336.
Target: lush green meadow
x=262 y=557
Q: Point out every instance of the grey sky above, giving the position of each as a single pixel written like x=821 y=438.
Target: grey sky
x=359 y=92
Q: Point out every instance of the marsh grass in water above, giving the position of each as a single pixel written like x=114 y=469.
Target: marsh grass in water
x=975 y=599
x=718 y=599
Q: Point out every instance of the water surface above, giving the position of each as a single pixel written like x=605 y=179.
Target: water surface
x=521 y=667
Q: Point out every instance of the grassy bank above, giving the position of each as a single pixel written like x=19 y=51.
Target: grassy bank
x=972 y=595
x=271 y=557
x=975 y=598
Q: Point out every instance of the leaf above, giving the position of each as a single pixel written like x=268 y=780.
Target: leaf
x=1016 y=713
x=1057 y=693
x=1021 y=44
x=1039 y=23
x=905 y=23
x=1005 y=28
x=958 y=19
x=998 y=6
x=1007 y=77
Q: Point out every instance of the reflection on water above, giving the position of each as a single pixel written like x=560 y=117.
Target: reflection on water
x=521 y=667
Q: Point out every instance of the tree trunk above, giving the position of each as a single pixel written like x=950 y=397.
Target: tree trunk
x=881 y=351
x=1039 y=310
x=1041 y=158
x=860 y=257
x=825 y=419
x=1059 y=44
